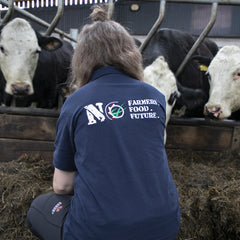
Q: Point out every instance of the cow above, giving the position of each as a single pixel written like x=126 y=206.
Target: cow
x=192 y=82
x=224 y=80
x=162 y=78
x=31 y=65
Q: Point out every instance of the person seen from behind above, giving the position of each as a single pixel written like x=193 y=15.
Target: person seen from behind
x=111 y=178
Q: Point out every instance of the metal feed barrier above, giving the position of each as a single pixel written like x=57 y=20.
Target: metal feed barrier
x=50 y=27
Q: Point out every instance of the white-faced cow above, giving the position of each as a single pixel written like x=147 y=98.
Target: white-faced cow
x=192 y=82
x=224 y=80
x=31 y=65
x=161 y=77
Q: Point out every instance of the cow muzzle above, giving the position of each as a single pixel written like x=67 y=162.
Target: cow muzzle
x=20 y=89
x=213 y=112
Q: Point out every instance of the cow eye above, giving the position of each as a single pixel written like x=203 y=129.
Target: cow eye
x=236 y=75
x=2 y=49
x=37 y=51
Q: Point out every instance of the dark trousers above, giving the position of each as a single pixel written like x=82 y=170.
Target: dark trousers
x=46 y=215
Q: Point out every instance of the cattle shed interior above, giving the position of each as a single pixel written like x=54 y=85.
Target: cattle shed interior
x=33 y=130
x=139 y=16
x=203 y=154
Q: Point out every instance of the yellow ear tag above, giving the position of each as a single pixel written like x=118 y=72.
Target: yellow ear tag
x=203 y=68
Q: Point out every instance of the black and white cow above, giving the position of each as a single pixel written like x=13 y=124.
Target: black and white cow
x=224 y=80
x=192 y=82
x=161 y=77
x=31 y=65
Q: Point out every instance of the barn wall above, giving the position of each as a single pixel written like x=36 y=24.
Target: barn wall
x=193 y=17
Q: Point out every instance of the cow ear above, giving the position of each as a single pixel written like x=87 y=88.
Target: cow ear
x=137 y=42
x=202 y=61
x=48 y=43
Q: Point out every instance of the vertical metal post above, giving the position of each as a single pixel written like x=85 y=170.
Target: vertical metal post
x=110 y=8
x=200 y=38
x=155 y=26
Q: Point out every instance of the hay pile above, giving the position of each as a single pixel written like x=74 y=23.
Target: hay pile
x=20 y=182
x=209 y=193
x=208 y=185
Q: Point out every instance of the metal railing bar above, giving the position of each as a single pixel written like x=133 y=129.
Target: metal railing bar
x=155 y=26
x=227 y=2
x=56 y=19
x=38 y=20
x=45 y=3
x=200 y=38
x=9 y=12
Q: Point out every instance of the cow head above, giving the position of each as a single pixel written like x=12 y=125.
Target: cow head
x=224 y=80
x=193 y=99
x=161 y=77
x=20 y=47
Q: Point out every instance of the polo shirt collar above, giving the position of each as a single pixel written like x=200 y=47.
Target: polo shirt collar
x=104 y=71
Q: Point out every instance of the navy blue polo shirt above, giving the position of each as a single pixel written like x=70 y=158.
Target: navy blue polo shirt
x=111 y=131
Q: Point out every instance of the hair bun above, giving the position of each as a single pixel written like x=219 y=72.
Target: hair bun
x=99 y=14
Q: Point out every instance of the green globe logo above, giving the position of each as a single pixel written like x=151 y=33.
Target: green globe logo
x=114 y=111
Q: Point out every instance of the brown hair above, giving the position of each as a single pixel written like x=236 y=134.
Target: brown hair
x=104 y=43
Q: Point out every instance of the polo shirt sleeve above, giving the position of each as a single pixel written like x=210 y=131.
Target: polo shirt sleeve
x=63 y=157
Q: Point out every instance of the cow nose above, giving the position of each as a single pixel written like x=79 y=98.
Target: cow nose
x=213 y=112
x=21 y=90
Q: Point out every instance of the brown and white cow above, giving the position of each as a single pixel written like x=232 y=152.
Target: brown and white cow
x=224 y=80
x=31 y=65
x=162 y=78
